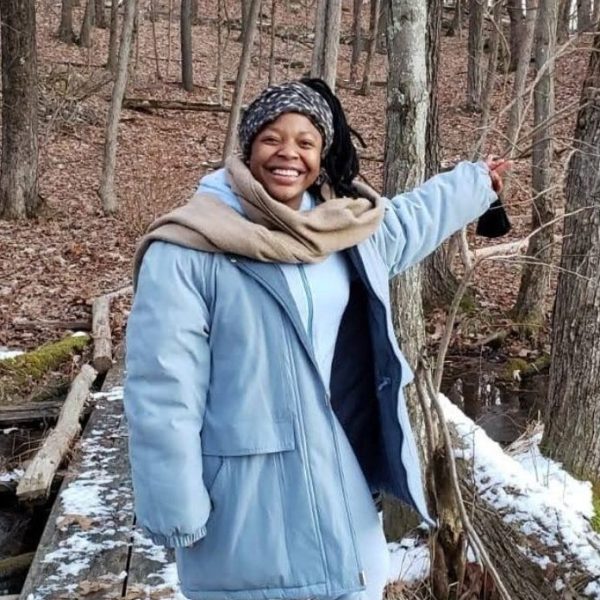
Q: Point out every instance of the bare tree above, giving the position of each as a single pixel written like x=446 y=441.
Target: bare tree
x=249 y=34
x=86 y=25
x=327 y=40
x=516 y=112
x=535 y=278
x=272 y=43
x=194 y=14
x=65 y=30
x=356 y=40
x=100 y=15
x=187 y=63
x=113 y=38
x=19 y=162
x=107 y=181
x=475 y=53
x=404 y=168
x=219 y=74
x=439 y=283
x=573 y=420
x=584 y=15
x=564 y=20
x=373 y=28
x=515 y=13
x=456 y=23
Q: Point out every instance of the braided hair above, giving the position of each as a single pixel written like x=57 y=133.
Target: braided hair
x=341 y=161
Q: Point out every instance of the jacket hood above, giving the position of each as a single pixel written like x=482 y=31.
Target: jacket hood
x=217 y=184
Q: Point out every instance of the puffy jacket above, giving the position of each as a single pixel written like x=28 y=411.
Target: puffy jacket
x=233 y=449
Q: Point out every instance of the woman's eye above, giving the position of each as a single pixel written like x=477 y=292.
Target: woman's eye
x=270 y=140
x=306 y=144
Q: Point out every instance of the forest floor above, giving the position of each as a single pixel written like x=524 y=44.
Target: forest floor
x=52 y=267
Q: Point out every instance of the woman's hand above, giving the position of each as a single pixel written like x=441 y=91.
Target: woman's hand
x=497 y=167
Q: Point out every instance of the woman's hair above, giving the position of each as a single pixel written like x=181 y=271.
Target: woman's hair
x=341 y=161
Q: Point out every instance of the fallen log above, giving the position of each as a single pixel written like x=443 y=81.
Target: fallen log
x=148 y=104
x=102 y=359
x=20 y=375
x=15 y=567
x=76 y=325
x=35 y=483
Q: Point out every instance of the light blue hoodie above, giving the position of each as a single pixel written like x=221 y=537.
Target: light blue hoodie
x=233 y=440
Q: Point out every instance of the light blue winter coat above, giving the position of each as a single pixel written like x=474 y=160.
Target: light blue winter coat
x=234 y=456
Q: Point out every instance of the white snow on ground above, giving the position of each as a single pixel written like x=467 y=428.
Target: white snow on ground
x=536 y=495
x=13 y=475
x=6 y=353
x=409 y=560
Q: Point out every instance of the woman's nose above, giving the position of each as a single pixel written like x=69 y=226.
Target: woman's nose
x=288 y=150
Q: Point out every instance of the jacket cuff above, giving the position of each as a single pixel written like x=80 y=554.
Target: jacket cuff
x=175 y=540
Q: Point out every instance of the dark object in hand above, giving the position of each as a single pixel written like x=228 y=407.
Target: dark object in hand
x=494 y=222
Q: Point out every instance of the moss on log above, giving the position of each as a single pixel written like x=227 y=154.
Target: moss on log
x=20 y=375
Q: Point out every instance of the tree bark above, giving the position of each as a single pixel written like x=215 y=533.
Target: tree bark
x=187 y=64
x=584 y=15
x=373 y=28
x=456 y=24
x=517 y=23
x=404 y=168
x=113 y=38
x=564 y=21
x=356 y=40
x=515 y=120
x=573 y=420
x=249 y=34
x=535 y=278
x=327 y=41
x=19 y=162
x=107 y=181
x=100 y=15
x=475 y=52
x=272 y=43
x=86 y=25
x=65 y=30
x=195 y=18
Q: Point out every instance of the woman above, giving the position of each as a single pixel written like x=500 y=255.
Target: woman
x=264 y=383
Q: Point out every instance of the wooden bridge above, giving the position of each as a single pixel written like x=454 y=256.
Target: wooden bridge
x=91 y=549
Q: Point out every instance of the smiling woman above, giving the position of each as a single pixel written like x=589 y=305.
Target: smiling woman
x=264 y=390
x=286 y=157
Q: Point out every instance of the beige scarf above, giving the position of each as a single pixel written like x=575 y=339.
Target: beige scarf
x=271 y=231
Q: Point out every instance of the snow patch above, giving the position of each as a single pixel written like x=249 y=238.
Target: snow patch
x=6 y=353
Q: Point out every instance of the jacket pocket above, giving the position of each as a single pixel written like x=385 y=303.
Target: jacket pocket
x=246 y=438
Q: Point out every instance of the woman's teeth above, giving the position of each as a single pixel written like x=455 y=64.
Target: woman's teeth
x=286 y=172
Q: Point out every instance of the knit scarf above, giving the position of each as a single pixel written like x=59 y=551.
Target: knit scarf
x=270 y=230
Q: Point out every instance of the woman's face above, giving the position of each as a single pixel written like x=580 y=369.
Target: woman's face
x=285 y=157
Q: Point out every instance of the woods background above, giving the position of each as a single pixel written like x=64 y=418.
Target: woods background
x=112 y=111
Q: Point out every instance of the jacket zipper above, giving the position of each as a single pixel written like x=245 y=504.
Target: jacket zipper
x=309 y=302
x=331 y=417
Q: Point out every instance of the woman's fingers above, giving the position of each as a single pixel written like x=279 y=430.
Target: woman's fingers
x=497 y=168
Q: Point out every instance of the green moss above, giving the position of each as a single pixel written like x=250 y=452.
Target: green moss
x=18 y=373
x=468 y=304
x=512 y=365
x=596 y=504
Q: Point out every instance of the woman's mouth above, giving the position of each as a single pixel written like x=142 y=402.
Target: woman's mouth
x=287 y=175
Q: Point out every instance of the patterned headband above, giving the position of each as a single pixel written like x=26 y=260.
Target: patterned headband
x=293 y=97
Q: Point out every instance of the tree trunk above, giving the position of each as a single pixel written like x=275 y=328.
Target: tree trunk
x=19 y=162
x=327 y=40
x=456 y=24
x=195 y=18
x=404 y=168
x=219 y=74
x=107 y=181
x=65 y=30
x=475 y=52
x=515 y=13
x=272 y=43
x=240 y=82
x=100 y=15
x=584 y=15
x=187 y=64
x=373 y=28
x=113 y=38
x=535 y=278
x=515 y=120
x=86 y=25
x=596 y=12
x=356 y=40
x=564 y=21
x=573 y=420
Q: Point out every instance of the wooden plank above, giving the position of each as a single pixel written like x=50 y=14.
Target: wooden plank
x=102 y=360
x=84 y=549
x=30 y=412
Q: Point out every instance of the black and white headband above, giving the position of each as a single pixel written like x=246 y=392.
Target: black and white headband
x=292 y=97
